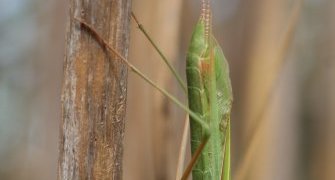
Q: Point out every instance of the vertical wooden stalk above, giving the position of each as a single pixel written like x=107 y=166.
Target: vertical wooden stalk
x=94 y=92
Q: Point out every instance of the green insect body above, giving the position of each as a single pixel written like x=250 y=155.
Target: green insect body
x=210 y=96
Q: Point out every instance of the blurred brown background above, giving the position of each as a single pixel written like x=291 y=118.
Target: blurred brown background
x=282 y=68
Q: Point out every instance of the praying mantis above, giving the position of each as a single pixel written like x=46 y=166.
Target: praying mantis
x=209 y=98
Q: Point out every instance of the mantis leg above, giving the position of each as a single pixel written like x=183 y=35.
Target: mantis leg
x=186 y=130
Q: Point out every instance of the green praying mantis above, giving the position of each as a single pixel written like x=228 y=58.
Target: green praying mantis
x=209 y=98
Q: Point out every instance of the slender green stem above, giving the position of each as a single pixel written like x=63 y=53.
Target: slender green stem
x=176 y=75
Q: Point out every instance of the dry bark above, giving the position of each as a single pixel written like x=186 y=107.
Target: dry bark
x=94 y=92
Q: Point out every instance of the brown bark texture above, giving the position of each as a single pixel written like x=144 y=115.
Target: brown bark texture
x=94 y=92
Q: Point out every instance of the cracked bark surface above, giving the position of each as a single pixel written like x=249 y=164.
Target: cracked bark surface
x=94 y=92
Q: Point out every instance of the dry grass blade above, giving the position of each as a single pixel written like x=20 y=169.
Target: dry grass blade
x=182 y=150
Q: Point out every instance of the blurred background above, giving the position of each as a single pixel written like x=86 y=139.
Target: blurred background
x=283 y=76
